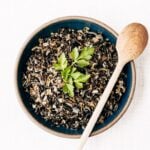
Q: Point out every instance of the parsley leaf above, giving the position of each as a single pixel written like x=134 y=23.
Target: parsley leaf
x=83 y=58
x=65 y=73
x=80 y=79
x=74 y=54
x=69 y=88
x=73 y=70
x=83 y=78
x=79 y=85
x=83 y=63
x=70 y=80
x=86 y=53
x=76 y=75
x=65 y=89
x=57 y=66
x=62 y=62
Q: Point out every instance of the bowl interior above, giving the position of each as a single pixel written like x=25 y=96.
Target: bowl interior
x=45 y=32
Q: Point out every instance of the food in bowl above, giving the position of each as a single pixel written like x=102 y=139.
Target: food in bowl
x=72 y=107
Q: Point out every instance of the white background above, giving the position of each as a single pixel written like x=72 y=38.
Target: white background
x=17 y=20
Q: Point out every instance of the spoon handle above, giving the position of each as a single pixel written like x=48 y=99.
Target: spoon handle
x=100 y=105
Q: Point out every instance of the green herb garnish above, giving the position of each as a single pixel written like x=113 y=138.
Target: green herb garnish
x=62 y=62
x=70 y=75
x=83 y=58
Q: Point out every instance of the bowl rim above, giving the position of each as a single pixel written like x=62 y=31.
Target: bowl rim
x=19 y=96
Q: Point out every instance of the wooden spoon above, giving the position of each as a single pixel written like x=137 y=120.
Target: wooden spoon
x=130 y=44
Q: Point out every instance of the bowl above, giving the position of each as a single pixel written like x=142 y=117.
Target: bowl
x=75 y=22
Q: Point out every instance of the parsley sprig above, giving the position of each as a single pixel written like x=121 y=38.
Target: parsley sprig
x=71 y=76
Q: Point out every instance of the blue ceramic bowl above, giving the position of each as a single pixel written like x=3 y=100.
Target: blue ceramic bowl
x=75 y=23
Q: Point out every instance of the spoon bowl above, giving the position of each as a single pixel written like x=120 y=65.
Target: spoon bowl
x=131 y=42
